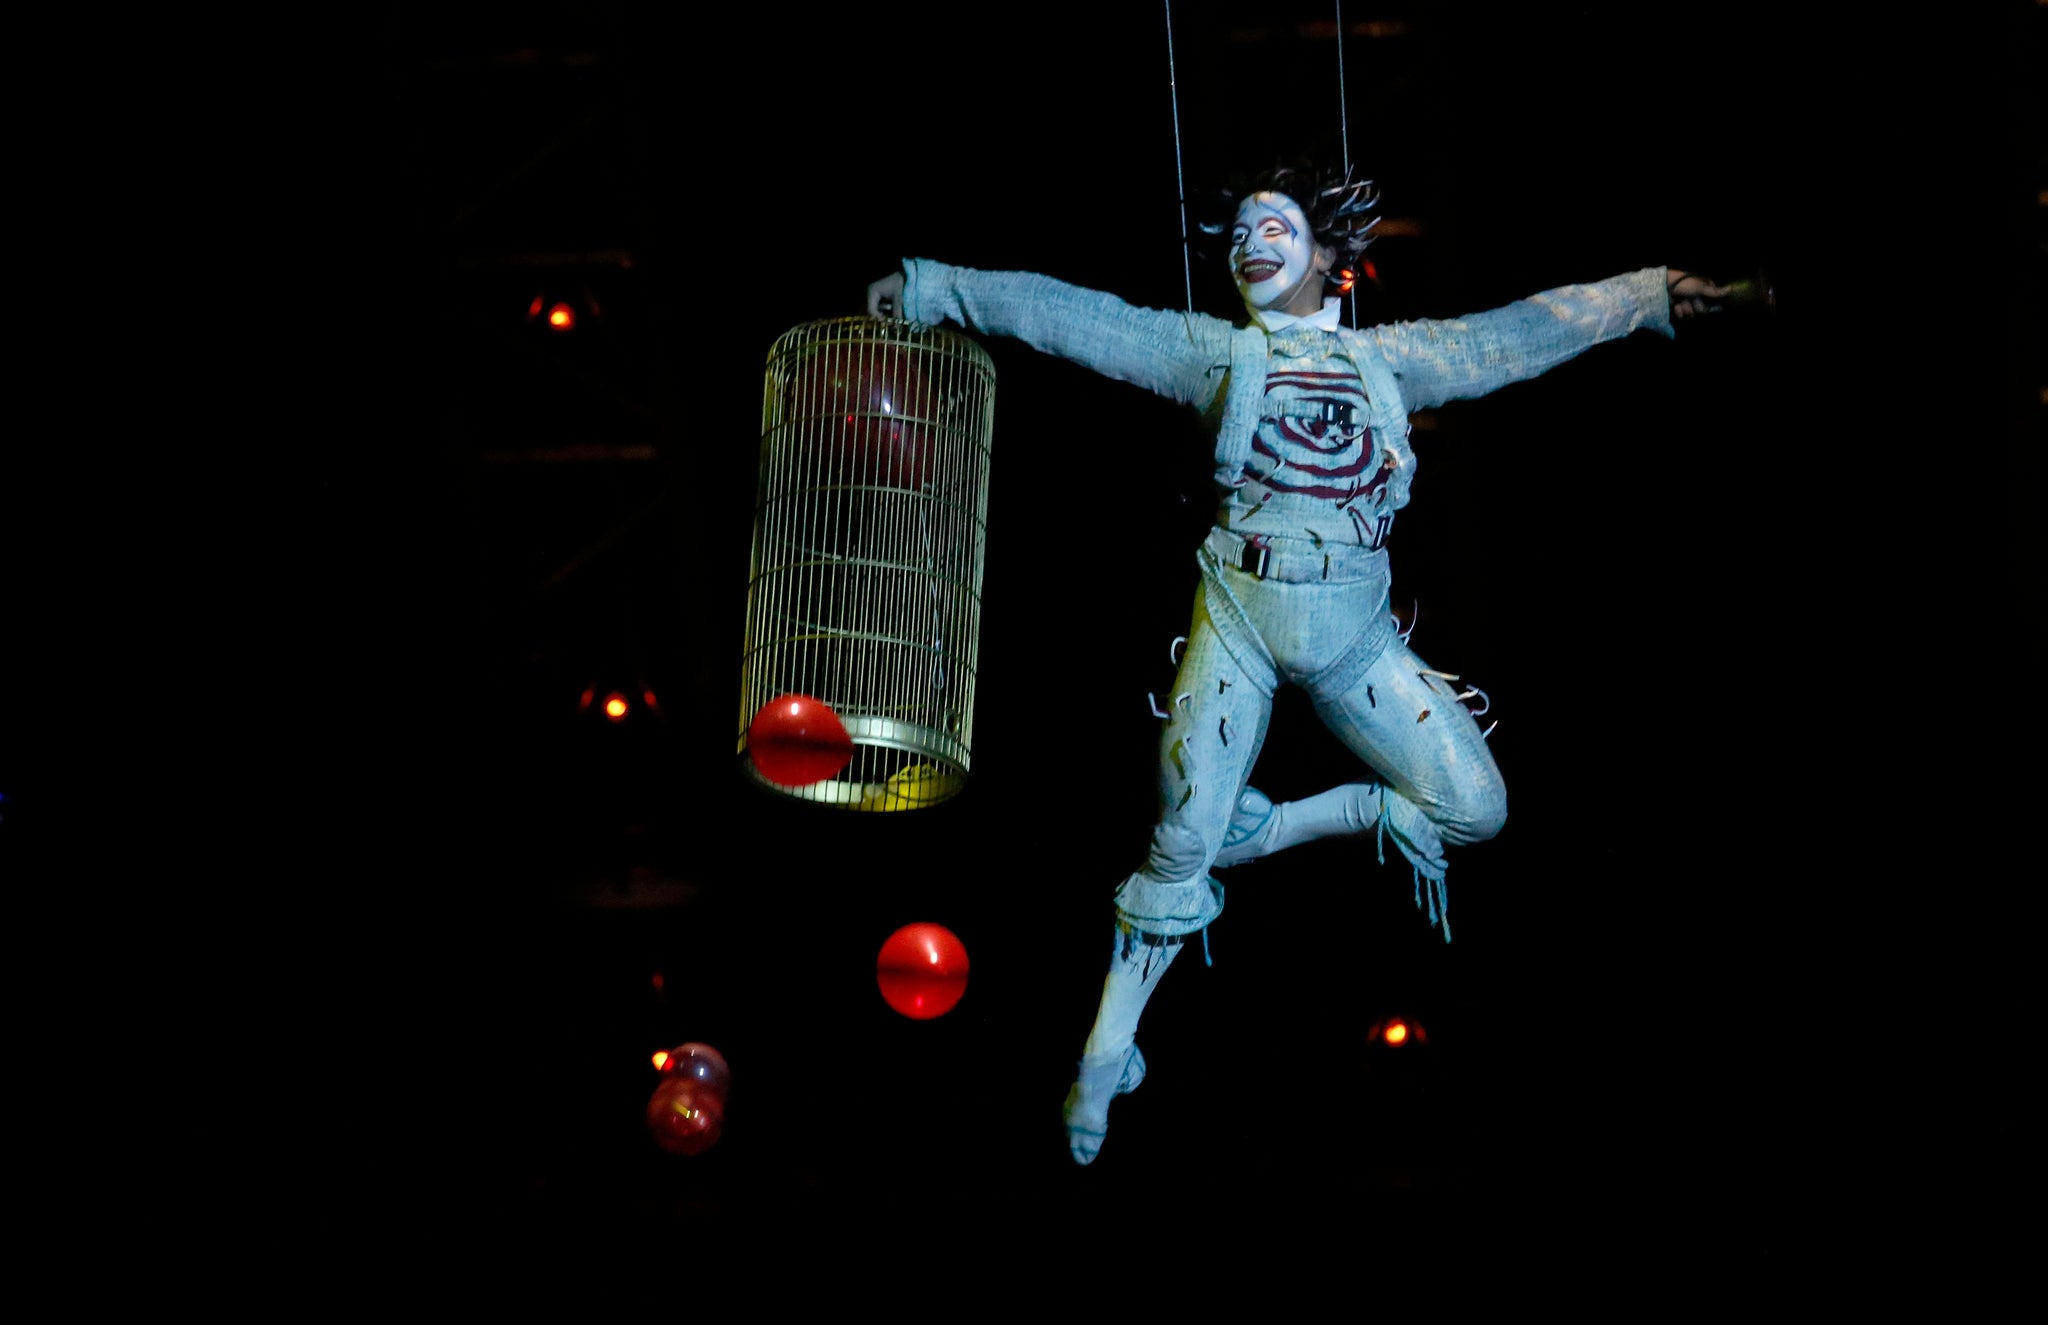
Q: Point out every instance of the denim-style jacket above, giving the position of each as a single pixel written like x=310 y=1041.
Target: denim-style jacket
x=1220 y=370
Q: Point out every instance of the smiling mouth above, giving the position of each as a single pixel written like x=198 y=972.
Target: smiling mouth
x=1261 y=270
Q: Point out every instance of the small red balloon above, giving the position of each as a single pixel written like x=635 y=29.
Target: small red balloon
x=700 y=1063
x=796 y=740
x=879 y=404
x=922 y=971
x=685 y=1116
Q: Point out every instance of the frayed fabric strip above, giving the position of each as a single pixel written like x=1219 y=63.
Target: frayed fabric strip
x=1427 y=864
x=1128 y=938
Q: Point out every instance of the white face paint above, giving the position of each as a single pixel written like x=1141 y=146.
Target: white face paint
x=1273 y=256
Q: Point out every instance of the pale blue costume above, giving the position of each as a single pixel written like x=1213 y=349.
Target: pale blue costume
x=1312 y=460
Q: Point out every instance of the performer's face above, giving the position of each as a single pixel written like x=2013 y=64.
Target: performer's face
x=1275 y=258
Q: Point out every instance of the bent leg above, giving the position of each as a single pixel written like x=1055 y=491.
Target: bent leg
x=1405 y=720
x=1440 y=783
x=1261 y=826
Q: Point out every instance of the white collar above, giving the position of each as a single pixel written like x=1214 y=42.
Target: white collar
x=1324 y=318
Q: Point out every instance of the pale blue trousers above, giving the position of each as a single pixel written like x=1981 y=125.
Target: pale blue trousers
x=1334 y=637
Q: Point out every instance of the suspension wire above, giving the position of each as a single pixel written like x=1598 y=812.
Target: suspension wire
x=1344 y=132
x=1180 y=183
x=1343 y=119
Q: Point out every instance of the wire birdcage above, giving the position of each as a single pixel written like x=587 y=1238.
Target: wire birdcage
x=869 y=535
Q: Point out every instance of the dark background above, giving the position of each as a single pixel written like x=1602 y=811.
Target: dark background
x=1673 y=566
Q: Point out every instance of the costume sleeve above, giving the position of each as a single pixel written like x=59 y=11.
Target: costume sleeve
x=1183 y=357
x=1458 y=358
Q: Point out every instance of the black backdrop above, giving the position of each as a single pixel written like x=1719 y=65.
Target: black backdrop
x=1653 y=558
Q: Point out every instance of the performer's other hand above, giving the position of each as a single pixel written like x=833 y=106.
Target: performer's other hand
x=885 y=297
x=1692 y=295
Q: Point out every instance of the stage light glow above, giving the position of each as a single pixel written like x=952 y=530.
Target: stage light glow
x=533 y=309
x=1396 y=1032
x=587 y=698
x=615 y=706
x=660 y=1059
x=561 y=317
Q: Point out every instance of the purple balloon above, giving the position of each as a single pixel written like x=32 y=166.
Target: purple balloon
x=700 y=1063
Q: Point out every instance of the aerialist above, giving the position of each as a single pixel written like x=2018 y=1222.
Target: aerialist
x=1312 y=460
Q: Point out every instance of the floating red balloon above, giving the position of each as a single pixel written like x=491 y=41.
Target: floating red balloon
x=685 y=1116
x=878 y=405
x=701 y=1063
x=796 y=740
x=922 y=970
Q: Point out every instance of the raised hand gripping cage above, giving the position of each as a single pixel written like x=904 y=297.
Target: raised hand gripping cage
x=869 y=535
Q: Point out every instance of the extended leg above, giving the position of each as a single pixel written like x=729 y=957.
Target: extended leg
x=1110 y=1062
x=1216 y=725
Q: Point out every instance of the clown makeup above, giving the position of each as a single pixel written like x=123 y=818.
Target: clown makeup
x=1273 y=256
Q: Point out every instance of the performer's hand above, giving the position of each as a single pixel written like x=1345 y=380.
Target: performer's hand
x=885 y=297
x=1693 y=295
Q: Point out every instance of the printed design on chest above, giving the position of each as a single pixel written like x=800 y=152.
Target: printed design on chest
x=1314 y=439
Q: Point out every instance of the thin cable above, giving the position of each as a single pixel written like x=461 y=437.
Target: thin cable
x=1343 y=118
x=1173 y=86
x=1344 y=133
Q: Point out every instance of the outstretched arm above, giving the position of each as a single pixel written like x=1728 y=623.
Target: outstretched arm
x=1180 y=356
x=1458 y=358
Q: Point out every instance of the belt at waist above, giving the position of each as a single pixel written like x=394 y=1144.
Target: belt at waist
x=1295 y=560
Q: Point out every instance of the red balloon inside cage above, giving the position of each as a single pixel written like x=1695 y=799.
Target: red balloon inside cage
x=796 y=740
x=877 y=406
x=685 y=1116
x=922 y=971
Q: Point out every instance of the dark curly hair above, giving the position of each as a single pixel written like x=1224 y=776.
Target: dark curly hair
x=1335 y=204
